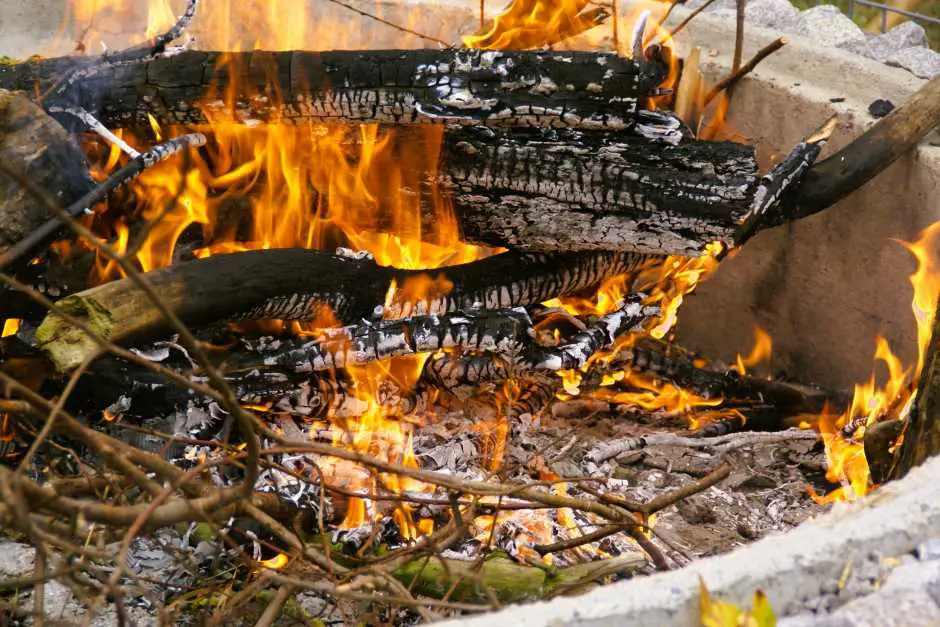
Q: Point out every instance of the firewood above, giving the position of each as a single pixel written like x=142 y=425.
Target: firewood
x=43 y=232
x=560 y=189
x=892 y=137
x=46 y=155
x=294 y=284
x=585 y=89
x=921 y=431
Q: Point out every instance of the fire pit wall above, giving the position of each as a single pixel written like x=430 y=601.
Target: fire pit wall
x=823 y=288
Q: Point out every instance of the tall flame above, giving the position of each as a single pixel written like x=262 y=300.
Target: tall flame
x=873 y=402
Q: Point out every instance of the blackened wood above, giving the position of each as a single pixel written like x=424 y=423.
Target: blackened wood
x=35 y=145
x=397 y=86
x=922 y=429
x=96 y=194
x=297 y=284
x=551 y=190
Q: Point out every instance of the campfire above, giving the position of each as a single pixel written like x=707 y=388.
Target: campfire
x=327 y=333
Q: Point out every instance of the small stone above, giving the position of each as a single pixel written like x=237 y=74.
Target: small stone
x=921 y=62
x=928 y=550
x=695 y=511
x=826 y=25
x=880 y=108
x=746 y=531
x=882 y=47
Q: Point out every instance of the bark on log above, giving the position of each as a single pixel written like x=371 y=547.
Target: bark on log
x=45 y=153
x=469 y=582
x=922 y=430
x=586 y=89
x=296 y=284
x=551 y=190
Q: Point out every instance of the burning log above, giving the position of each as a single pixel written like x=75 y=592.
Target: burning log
x=99 y=192
x=921 y=432
x=295 y=284
x=507 y=332
x=582 y=89
x=48 y=157
x=560 y=189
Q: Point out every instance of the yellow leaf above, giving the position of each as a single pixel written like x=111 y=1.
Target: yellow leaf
x=717 y=613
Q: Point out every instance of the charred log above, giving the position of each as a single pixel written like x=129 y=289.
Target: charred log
x=889 y=139
x=585 y=89
x=297 y=284
x=44 y=153
x=560 y=189
x=921 y=431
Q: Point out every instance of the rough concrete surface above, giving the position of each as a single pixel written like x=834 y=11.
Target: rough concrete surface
x=788 y=568
x=826 y=286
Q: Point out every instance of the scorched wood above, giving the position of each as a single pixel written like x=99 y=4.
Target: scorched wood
x=295 y=284
x=561 y=189
x=35 y=146
x=587 y=89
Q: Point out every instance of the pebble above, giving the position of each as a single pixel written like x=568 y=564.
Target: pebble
x=880 y=108
x=904 y=46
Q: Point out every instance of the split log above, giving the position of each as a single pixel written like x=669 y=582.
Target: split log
x=293 y=284
x=587 y=89
x=921 y=432
x=550 y=190
x=45 y=154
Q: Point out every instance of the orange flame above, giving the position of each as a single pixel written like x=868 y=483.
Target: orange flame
x=278 y=562
x=10 y=327
x=872 y=402
x=760 y=353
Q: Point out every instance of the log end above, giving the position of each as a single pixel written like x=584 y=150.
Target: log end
x=66 y=345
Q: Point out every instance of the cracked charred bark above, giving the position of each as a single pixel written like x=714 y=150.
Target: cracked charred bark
x=587 y=89
x=296 y=284
x=552 y=190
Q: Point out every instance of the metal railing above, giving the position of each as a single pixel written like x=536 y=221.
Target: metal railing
x=886 y=9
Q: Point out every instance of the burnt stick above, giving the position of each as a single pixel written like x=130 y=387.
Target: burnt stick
x=296 y=284
x=586 y=89
x=122 y=176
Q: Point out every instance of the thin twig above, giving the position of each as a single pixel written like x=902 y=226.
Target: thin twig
x=732 y=79
x=392 y=24
x=740 y=11
x=678 y=29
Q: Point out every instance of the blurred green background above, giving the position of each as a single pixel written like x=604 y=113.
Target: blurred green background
x=864 y=15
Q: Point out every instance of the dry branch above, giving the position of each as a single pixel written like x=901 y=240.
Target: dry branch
x=890 y=138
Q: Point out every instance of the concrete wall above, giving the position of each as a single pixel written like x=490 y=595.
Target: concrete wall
x=823 y=288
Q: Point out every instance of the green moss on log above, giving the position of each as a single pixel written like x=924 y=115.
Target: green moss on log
x=66 y=345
